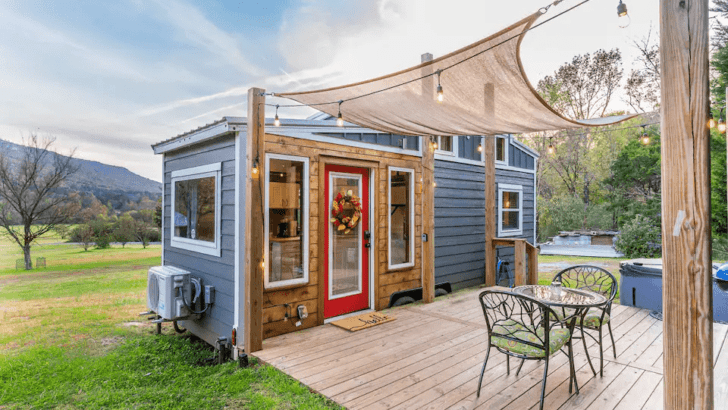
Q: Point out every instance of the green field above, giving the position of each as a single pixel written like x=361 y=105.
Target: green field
x=71 y=337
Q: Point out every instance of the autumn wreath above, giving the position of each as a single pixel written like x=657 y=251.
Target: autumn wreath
x=346 y=211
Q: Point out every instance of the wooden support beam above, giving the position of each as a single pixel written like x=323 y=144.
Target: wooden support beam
x=490 y=213
x=532 y=264
x=254 y=194
x=686 y=241
x=519 y=255
x=428 y=196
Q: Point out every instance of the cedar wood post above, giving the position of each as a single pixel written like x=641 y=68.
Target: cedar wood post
x=255 y=191
x=428 y=196
x=686 y=240
x=490 y=215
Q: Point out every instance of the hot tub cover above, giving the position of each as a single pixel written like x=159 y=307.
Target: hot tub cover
x=485 y=92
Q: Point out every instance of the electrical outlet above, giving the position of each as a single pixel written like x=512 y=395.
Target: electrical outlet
x=209 y=295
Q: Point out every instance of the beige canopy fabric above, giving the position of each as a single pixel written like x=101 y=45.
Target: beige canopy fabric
x=485 y=93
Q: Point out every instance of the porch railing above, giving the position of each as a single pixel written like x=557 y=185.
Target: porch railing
x=526 y=255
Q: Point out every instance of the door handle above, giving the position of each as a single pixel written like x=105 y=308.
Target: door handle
x=367 y=237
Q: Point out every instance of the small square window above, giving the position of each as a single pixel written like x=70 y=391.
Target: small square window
x=510 y=210
x=196 y=209
x=501 y=150
x=445 y=145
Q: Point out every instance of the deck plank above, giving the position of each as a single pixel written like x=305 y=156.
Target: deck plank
x=636 y=398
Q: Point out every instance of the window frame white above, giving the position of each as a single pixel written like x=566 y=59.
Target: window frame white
x=506 y=143
x=196 y=245
x=510 y=188
x=411 y=199
x=453 y=141
x=305 y=216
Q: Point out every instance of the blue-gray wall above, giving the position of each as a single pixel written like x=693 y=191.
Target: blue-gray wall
x=460 y=213
x=216 y=271
x=391 y=140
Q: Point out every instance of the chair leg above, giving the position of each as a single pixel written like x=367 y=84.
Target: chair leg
x=508 y=364
x=519 y=366
x=482 y=372
x=601 y=354
x=573 y=368
x=586 y=351
x=614 y=347
x=543 y=383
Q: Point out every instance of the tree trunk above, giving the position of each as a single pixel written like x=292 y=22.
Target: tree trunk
x=26 y=254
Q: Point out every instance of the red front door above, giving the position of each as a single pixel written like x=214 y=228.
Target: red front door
x=346 y=265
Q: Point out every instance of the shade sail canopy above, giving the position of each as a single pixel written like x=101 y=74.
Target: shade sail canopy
x=485 y=92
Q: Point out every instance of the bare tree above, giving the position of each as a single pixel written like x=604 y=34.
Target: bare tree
x=643 y=84
x=720 y=30
x=585 y=87
x=29 y=207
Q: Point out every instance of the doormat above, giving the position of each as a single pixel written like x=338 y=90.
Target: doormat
x=364 y=321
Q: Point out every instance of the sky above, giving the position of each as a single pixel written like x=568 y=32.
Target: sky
x=112 y=78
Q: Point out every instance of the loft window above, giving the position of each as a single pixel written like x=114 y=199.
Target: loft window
x=196 y=209
x=510 y=210
x=446 y=145
x=286 y=220
x=501 y=150
x=401 y=218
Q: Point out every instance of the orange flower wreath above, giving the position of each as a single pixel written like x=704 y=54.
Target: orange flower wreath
x=346 y=211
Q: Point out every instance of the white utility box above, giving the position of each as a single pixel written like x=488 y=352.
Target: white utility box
x=165 y=287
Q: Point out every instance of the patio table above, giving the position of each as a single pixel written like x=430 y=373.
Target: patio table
x=572 y=303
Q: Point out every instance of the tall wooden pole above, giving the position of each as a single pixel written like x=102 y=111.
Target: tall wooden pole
x=255 y=192
x=428 y=196
x=490 y=213
x=686 y=244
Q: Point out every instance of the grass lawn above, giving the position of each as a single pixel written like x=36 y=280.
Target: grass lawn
x=70 y=337
x=550 y=265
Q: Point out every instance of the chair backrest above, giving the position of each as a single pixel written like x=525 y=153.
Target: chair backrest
x=516 y=317
x=589 y=277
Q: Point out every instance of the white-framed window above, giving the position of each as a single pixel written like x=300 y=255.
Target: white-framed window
x=196 y=209
x=401 y=182
x=510 y=210
x=286 y=220
x=447 y=145
x=501 y=150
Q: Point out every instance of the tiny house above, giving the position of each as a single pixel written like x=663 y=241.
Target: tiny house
x=342 y=216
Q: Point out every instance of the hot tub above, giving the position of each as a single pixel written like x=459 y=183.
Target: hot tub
x=641 y=286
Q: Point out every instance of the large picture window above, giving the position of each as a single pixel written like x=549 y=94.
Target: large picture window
x=401 y=218
x=510 y=210
x=196 y=209
x=286 y=220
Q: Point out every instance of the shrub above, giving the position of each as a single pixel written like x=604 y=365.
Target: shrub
x=103 y=241
x=640 y=238
x=568 y=213
x=83 y=234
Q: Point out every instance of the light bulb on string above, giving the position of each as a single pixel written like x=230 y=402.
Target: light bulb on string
x=711 y=121
x=645 y=138
x=721 y=125
x=623 y=19
x=440 y=95
x=276 y=121
x=340 y=119
x=480 y=147
x=551 y=148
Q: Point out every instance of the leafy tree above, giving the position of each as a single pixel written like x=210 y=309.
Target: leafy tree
x=144 y=229
x=84 y=235
x=101 y=231
x=158 y=214
x=62 y=230
x=125 y=230
x=720 y=30
x=29 y=206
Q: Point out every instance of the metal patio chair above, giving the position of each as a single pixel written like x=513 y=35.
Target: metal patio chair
x=520 y=327
x=600 y=281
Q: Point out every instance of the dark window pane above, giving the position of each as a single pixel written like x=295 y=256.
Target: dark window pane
x=510 y=200
x=194 y=208
x=500 y=149
x=445 y=144
x=510 y=220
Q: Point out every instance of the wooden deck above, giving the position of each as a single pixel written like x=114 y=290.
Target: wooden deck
x=431 y=356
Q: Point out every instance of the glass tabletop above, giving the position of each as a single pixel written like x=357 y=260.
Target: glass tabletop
x=560 y=296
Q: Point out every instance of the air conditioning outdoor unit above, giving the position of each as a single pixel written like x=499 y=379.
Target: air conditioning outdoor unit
x=166 y=285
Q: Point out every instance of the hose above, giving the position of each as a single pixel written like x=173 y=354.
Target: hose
x=177 y=328
x=184 y=301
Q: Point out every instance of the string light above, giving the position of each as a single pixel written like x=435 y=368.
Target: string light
x=711 y=121
x=480 y=147
x=440 y=95
x=254 y=170
x=340 y=119
x=623 y=19
x=721 y=124
x=645 y=139
x=276 y=121
x=551 y=148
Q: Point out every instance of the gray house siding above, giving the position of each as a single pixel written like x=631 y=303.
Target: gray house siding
x=460 y=213
x=459 y=223
x=215 y=271
x=390 y=140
